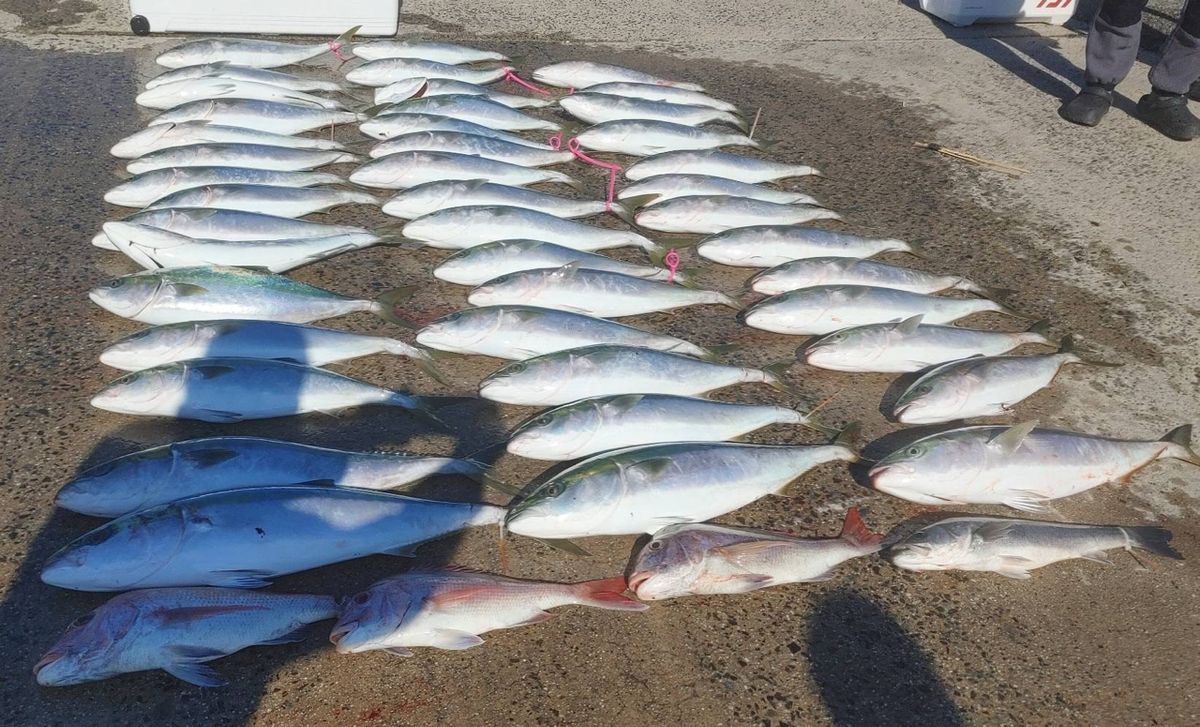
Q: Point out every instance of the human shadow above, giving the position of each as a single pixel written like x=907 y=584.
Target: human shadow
x=869 y=671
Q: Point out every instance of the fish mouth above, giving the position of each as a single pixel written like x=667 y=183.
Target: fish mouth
x=637 y=579
x=875 y=472
x=47 y=660
x=341 y=631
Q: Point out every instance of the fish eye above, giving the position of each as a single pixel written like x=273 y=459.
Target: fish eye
x=914 y=451
x=553 y=490
x=924 y=389
x=655 y=545
x=139 y=335
x=517 y=368
x=837 y=337
x=542 y=421
x=362 y=598
x=453 y=317
x=83 y=620
x=115 y=283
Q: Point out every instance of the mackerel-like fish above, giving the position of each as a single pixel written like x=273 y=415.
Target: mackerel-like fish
x=612 y=369
x=645 y=138
x=406 y=169
x=1019 y=466
x=145 y=189
x=398 y=124
x=910 y=346
x=241 y=338
x=185 y=133
x=669 y=186
x=472 y=144
x=250 y=52
x=592 y=292
x=658 y=92
x=218 y=224
x=717 y=164
x=159 y=475
x=466 y=107
x=596 y=108
x=809 y=272
x=425 y=87
x=428 y=50
x=582 y=74
x=644 y=489
x=462 y=227
x=244 y=538
x=431 y=197
x=268 y=199
x=479 y=264
x=704 y=559
x=449 y=608
x=766 y=246
x=708 y=214
x=1013 y=547
x=589 y=426
x=827 y=308
x=225 y=69
x=258 y=156
x=206 y=293
x=170 y=95
x=273 y=116
x=227 y=390
x=177 y=630
x=383 y=71
x=519 y=332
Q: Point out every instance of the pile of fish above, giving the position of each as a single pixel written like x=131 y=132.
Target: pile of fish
x=223 y=182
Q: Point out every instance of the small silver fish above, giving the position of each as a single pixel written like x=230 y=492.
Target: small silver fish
x=250 y=51
x=717 y=164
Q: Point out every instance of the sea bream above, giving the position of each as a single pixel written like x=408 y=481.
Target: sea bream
x=644 y=489
x=382 y=71
x=766 y=246
x=257 y=156
x=645 y=138
x=449 y=608
x=596 y=108
x=145 y=189
x=170 y=95
x=717 y=164
x=218 y=224
x=518 y=332
x=170 y=472
x=475 y=109
x=911 y=345
x=1020 y=466
x=1013 y=547
x=251 y=52
x=598 y=424
x=428 y=50
x=273 y=116
x=698 y=559
x=809 y=272
x=462 y=227
x=397 y=124
x=225 y=69
x=265 y=198
x=184 y=133
x=653 y=190
x=407 y=169
x=479 y=264
x=581 y=74
x=472 y=144
x=178 y=630
x=711 y=213
x=425 y=87
x=658 y=92
x=425 y=199
x=246 y=538
x=611 y=369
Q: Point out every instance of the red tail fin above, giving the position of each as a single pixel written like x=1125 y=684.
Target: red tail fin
x=856 y=532
x=608 y=593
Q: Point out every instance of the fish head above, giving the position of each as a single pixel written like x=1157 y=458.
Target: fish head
x=848 y=348
x=128 y=295
x=731 y=251
x=91 y=647
x=156 y=345
x=148 y=391
x=937 y=463
x=178 y=57
x=530 y=380
x=368 y=619
x=563 y=431
x=937 y=547
x=145 y=141
x=385 y=172
x=558 y=74
x=568 y=504
x=116 y=487
x=511 y=288
x=120 y=554
x=933 y=400
x=670 y=564
x=374 y=129
x=457 y=331
x=423 y=199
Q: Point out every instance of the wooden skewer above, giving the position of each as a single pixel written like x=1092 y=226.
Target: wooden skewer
x=755 y=124
x=970 y=158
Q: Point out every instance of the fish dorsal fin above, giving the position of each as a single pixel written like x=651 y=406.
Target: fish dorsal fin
x=621 y=404
x=186 y=290
x=566 y=271
x=909 y=325
x=1008 y=440
x=209 y=457
x=569 y=547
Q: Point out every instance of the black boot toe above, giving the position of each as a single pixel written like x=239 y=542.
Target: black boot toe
x=1169 y=114
x=1088 y=106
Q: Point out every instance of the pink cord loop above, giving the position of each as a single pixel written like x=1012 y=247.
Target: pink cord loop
x=613 y=171
x=335 y=48
x=671 y=259
x=555 y=141
x=511 y=75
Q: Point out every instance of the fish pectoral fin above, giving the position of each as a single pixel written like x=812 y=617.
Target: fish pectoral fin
x=992 y=532
x=747 y=582
x=566 y=546
x=398 y=651
x=1017 y=574
x=649 y=469
x=201 y=675
x=194 y=654
x=454 y=640
x=537 y=618
x=1008 y=440
x=299 y=633
x=1027 y=501
x=1098 y=556
x=220 y=415
x=240 y=578
x=741 y=553
x=1014 y=566
x=407 y=550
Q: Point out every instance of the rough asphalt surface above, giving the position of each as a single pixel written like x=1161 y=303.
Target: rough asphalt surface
x=1080 y=643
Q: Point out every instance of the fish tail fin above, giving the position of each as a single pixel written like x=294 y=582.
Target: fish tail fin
x=1040 y=330
x=856 y=532
x=566 y=179
x=716 y=353
x=640 y=200
x=992 y=293
x=607 y=593
x=729 y=302
x=1151 y=539
x=848 y=438
x=773 y=376
x=1067 y=346
x=386 y=305
x=429 y=408
x=1180 y=440
x=422 y=358
x=624 y=212
x=915 y=249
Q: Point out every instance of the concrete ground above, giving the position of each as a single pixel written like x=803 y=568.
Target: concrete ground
x=1099 y=237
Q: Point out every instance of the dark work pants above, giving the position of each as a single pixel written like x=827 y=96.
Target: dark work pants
x=1112 y=47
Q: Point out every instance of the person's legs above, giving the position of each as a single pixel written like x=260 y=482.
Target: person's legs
x=1112 y=47
x=1173 y=77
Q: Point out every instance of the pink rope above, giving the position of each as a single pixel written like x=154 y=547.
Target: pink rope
x=511 y=75
x=336 y=49
x=672 y=262
x=613 y=170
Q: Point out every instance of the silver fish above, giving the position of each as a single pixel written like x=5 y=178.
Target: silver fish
x=481 y=263
x=383 y=71
x=431 y=197
x=717 y=164
x=145 y=189
x=581 y=74
x=259 y=156
x=658 y=92
x=244 y=538
x=519 y=332
x=273 y=116
x=766 y=246
x=268 y=199
x=808 y=272
x=461 y=227
x=185 y=133
x=707 y=214
x=645 y=138
x=425 y=87
x=425 y=50
x=1014 y=547
x=613 y=369
x=475 y=109
x=221 y=224
x=669 y=186
x=596 y=108
x=705 y=559
x=249 y=51
x=398 y=124
x=409 y=168
x=225 y=69
x=472 y=144
x=170 y=472
x=598 y=424
x=177 y=630
x=170 y=95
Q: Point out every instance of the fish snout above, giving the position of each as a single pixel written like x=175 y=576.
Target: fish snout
x=50 y=657
x=638 y=579
x=340 y=631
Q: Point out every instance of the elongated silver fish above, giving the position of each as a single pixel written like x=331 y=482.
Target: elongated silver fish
x=462 y=227
x=645 y=138
x=225 y=69
x=249 y=51
x=669 y=186
x=581 y=74
x=431 y=197
x=479 y=264
x=428 y=50
x=383 y=71
x=596 y=108
x=707 y=214
x=717 y=164
x=268 y=199
x=519 y=332
x=601 y=293
x=765 y=246
x=226 y=390
x=644 y=489
x=245 y=538
x=248 y=339
x=910 y=345
x=1019 y=466
x=409 y=168
x=472 y=144
x=273 y=116
x=589 y=426
x=144 y=189
x=259 y=156
x=476 y=109
x=827 y=308
x=397 y=124
x=612 y=369
x=177 y=630
x=809 y=272
x=425 y=87
x=449 y=608
x=160 y=475
x=185 y=133
x=658 y=92
x=206 y=293
x=221 y=224
x=704 y=559
x=170 y=95
x=1013 y=547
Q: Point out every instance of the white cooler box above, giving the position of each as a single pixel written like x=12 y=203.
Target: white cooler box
x=293 y=17
x=966 y=12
